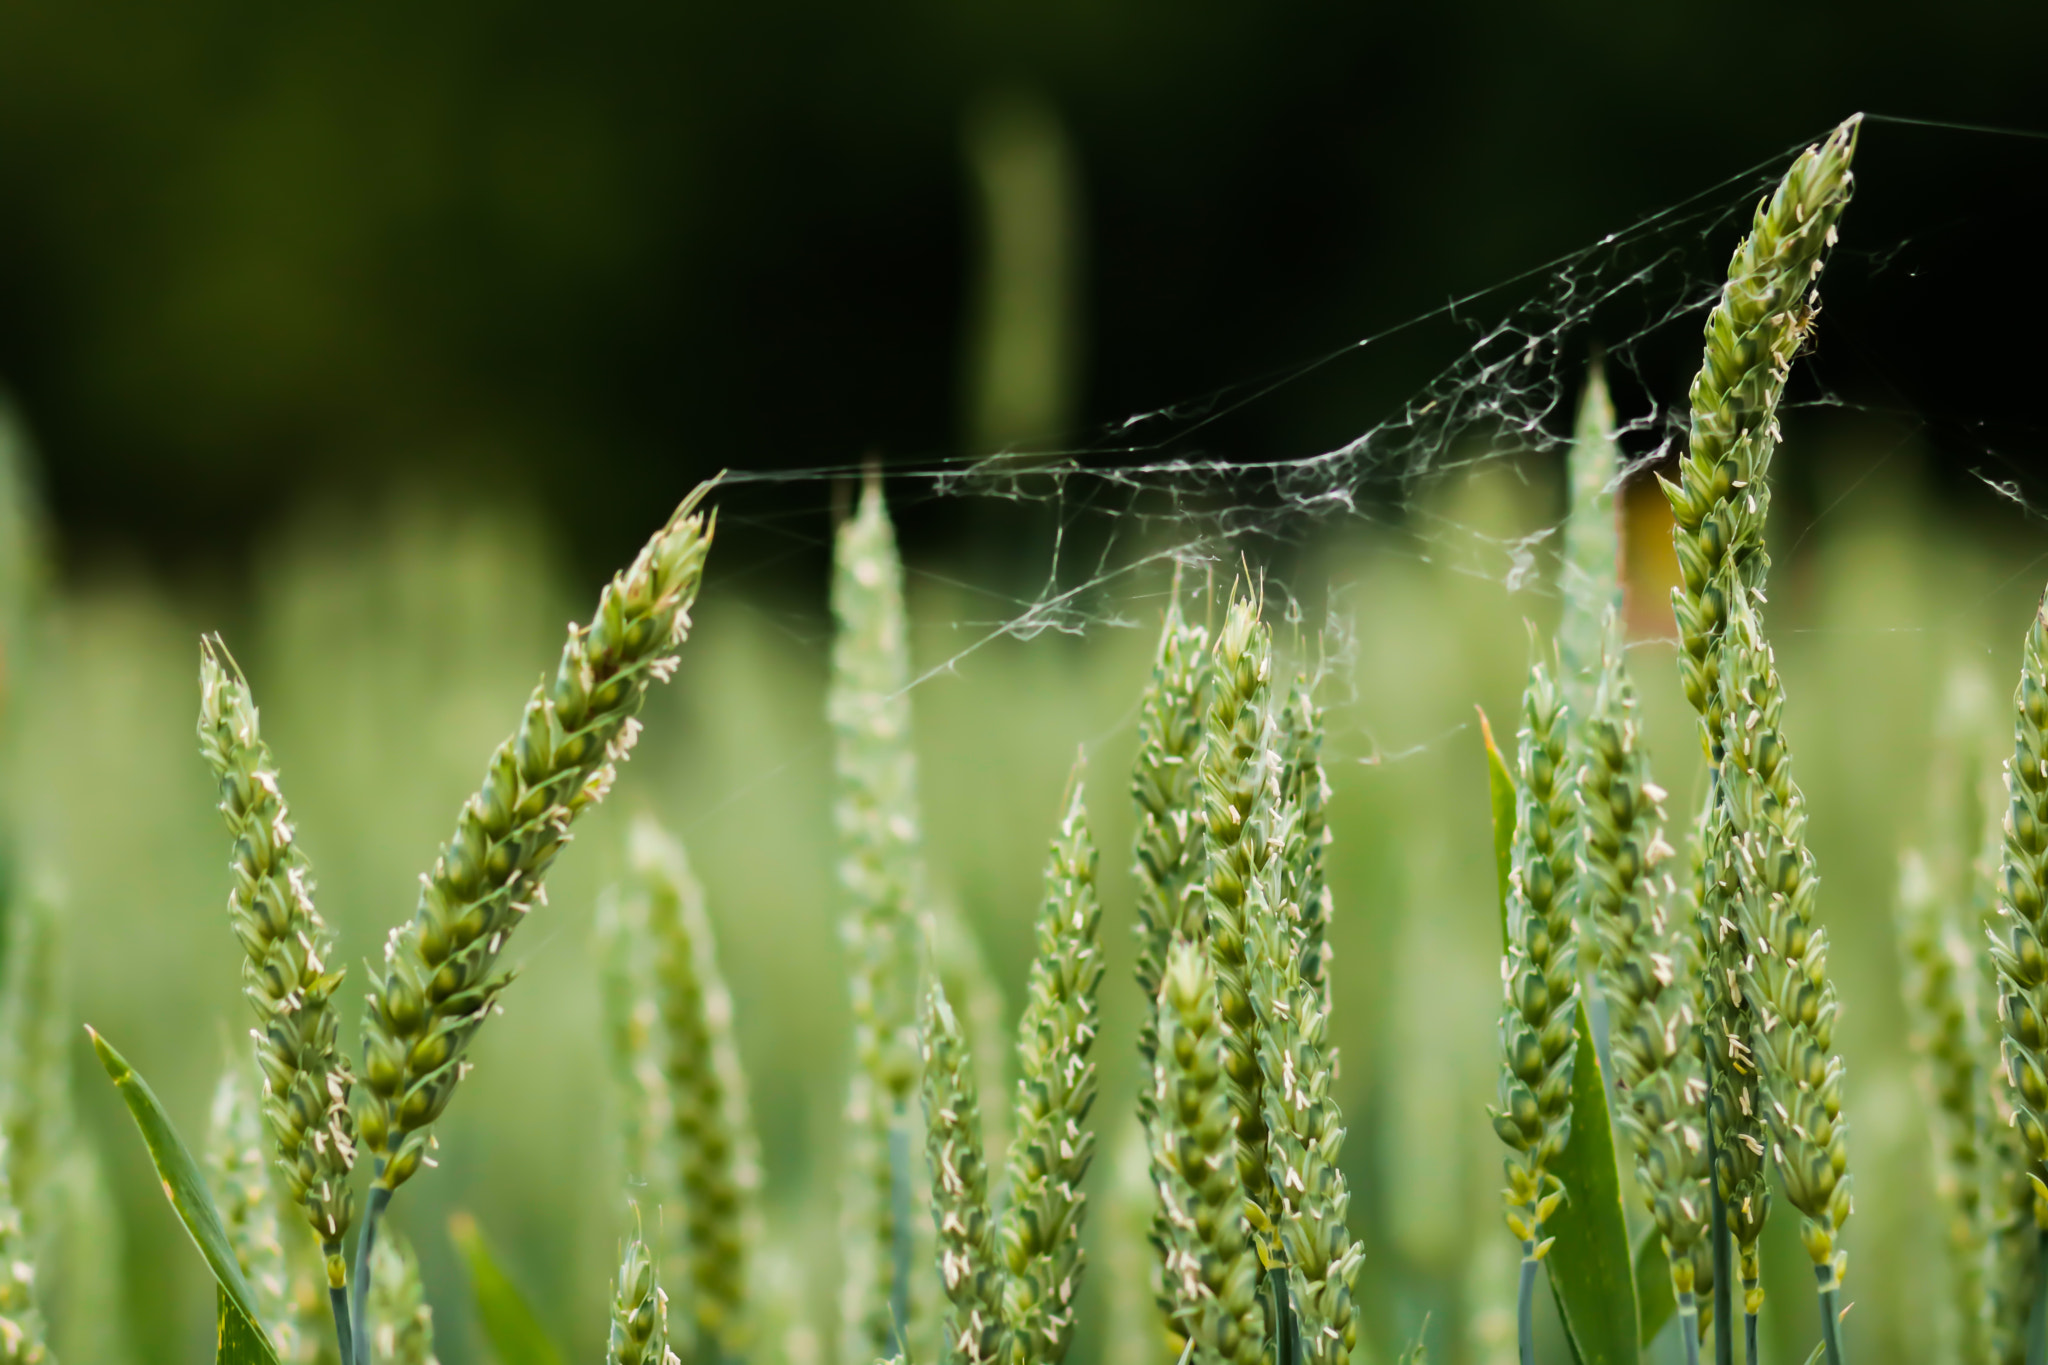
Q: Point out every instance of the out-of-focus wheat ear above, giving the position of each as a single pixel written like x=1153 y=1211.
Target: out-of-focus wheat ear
x=1039 y=1237
x=1591 y=582
x=289 y=967
x=717 y=1157
x=23 y=1338
x=636 y=1049
x=969 y=1269
x=1137 y=1328
x=1211 y=1266
x=238 y=1166
x=1240 y=783
x=639 y=1334
x=868 y=705
x=401 y=1323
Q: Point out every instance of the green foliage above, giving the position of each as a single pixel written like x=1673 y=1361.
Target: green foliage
x=1592 y=1271
x=509 y=1323
x=185 y=1186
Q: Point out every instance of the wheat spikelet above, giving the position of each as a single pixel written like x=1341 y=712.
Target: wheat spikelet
x=287 y=971
x=1240 y=780
x=1647 y=972
x=1304 y=1126
x=639 y=1333
x=21 y=1321
x=876 y=813
x=968 y=1267
x=238 y=1170
x=1039 y=1237
x=440 y=979
x=716 y=1158
x=1539 y=971
x=401 y=1324
x=1211 y=1267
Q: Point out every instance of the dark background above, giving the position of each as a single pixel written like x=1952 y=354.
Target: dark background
x=252 y=255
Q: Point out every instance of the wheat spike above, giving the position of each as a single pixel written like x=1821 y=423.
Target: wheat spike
x=238 y=1170
x=1240 y=782
x=639 y=1334
x=1305 y=791
x=635 y=1046
x=1039 y=1236
x=968 y=1268
x=868 y=705
x=1647 y=972
x=2016 y=941
x=1211 y=1266
x=401 y=1324
x=22 y=1339
x=289 y=970
x=440 y=977
x=715 y=1153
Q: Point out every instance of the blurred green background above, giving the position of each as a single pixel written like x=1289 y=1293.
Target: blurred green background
x=374 y=337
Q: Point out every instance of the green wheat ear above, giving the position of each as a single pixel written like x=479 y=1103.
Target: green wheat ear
x=968 y=1268
x=715 y=1153
x=639 y=1333
x=401 y=1324
x=1211 y=1266
x=238 y=1169
x=21 y=1321
x=868 y=705
x=2016 y=942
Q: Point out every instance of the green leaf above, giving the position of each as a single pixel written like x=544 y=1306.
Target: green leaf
x=185 y=1187
x=515 y=1333
x=1655 y=1302
x=1591 y=1269
x=235 y=1341
x=1500 y=784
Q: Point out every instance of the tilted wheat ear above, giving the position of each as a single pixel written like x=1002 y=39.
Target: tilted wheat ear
x=868 y=705
x=288 y=971
x=1720 y=502
x=1212 y=1268
x=1539 y=980
x=1646 y=972
x=1039 y=1236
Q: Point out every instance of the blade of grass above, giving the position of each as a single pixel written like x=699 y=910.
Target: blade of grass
x=185 y=1186
x=1590 y=1264
x=509 y=1322
x=235 y=1341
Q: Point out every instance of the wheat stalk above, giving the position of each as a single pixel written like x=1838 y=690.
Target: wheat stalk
x=1772 y=884
x=1239 y=783
x=1539 y=982
x=1647 y=973
x=286 y=971
x=401 y=1323
x=868 y=705
x=1211 y=1266
x=21 y=1321
x=238 y=1170
x=1039 y=1236
x=716 y=1157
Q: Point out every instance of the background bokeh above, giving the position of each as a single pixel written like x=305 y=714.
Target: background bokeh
x=374 y=337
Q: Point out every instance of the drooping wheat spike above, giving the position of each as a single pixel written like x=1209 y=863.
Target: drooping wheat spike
x=22 y=1340
x=639 y=1333
x=1591 y=584
x=1721 y=498
x=968 y=1266
x=1304 y=1125
x=1647 y=972
x=238 y=1169
x=1166 y=789
x=868 y=705
x=288 y=971
x=1941 y=1012
x=1305 y=791
x=401 y=1323
x=1240 y=780
x=440 y=977
x=1212 y=1268
x=1784 y=964
x=1039 y=1236
x=1540 y=983
x=716 y=1156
